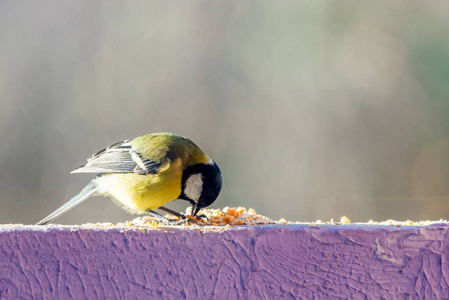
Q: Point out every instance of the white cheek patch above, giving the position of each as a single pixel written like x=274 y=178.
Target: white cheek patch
x=194 y=187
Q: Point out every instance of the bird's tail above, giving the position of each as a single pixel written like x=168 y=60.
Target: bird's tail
x=90 y=189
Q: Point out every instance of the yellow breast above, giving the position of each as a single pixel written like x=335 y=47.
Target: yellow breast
x=138 y=193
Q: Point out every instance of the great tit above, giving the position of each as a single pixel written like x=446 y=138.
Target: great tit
x=147 y=172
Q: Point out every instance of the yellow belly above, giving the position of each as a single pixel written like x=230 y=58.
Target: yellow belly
x=138 y=193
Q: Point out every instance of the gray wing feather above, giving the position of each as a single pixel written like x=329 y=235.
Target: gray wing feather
x=119 y=158
x=109 y=162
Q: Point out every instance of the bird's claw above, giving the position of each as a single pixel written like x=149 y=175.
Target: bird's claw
x=182 y=220
x=187 y=220
x=201 y=217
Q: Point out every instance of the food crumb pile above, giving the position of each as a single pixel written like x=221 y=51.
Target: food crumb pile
x=227 y=216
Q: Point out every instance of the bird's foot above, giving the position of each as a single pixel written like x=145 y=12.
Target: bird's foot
x=202 y=218
x=185 y=220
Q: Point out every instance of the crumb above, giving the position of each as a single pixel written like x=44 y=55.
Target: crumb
x=235 y=216
x=228 y=216
x=345 y=220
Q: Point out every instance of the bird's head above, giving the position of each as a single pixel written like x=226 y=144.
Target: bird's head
x=201 y=184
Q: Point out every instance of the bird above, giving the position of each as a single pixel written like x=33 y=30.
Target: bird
x=147 y=172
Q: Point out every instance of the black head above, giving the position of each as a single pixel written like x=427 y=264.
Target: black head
x=201 y=184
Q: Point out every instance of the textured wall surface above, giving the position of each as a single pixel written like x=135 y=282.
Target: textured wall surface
x=289 y=262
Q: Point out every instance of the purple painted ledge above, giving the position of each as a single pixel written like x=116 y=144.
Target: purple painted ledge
x=260 y=262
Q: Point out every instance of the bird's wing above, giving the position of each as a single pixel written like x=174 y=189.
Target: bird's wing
x=119 y=158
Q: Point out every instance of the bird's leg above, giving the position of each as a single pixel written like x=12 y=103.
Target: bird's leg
x=154 y=214
x=167 y=220
x=157 y=216
x=172 y=212
x=182 y=218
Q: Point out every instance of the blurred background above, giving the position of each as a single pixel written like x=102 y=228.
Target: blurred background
x=312 y=109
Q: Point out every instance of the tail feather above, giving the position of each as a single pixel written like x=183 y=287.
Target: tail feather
x=85 y=193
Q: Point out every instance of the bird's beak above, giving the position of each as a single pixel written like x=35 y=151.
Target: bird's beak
x=195 y=209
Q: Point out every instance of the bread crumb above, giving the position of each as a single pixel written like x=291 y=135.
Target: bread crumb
x=345 y=220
